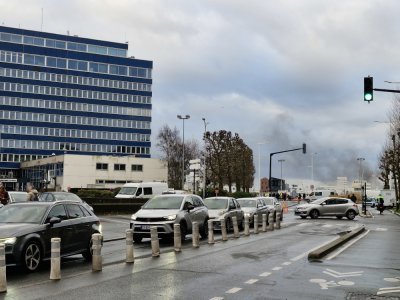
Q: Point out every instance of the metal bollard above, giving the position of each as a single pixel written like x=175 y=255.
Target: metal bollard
x=278 y=221
x=255 y=224
x=55 y=272
x=271 y=223
x=155 y=243
x=130 y=256
x=3 y=277
x=223 y=230
x=246 y=225
x=211 y=232
x=264 y=222
x=177 y=238
x=235 y=227
x=195 y=235
x=97 y=259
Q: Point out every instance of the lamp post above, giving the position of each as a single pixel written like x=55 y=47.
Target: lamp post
x=360 y=174
x=281 y=161
x=205 y=159
x=183 y=146
x=312 y=167
x=259 y=164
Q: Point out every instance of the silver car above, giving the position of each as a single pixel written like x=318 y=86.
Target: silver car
x=274 y=207
x=328 y=206
x=224 y=208
x=18 y=196
x=164 y=211
x=253 y=206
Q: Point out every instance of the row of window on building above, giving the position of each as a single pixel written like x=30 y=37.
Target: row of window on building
x=72 y=93
x=73 y=64
x=78 y=120
x=74 y=133
x=74 y=106
x=119 y=167
x=72 y=79
x=59 y=44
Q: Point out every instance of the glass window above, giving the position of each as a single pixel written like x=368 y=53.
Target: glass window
x=29 y=59
x=119 y=167
x=76 y=46
x=101 y=166
x=51 y=62
x=72 y=64
x=74 y=211
x=57 y=211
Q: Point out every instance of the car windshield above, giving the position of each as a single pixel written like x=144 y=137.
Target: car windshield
x=169 y=202
x=19 y=197
x=269 y=201
x=66 y=196
x=216 y=203
x=318 y=201
x=22 y=214
x=128 y=191
x=247 y=203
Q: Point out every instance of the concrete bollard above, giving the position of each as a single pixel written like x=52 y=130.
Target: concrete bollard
x=130 y=256
x=97 y=259
x=246 y=225
x=271 y=223
x=195 y=235
x=255 y=224
x=177 y=238
x=235 y=227
x=155 y=243
x=55 y=271
x=3 y=277
x=264 y=222
x=223 y=230
x=278 y=221
x=211 y=232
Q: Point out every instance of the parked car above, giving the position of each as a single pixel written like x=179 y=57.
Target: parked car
x=224 y=208
x=253 y=206
x=274 y=207
x=26 y=229
x=62 y=196
x=164 y=211
x=18 y=196
x=328 y=206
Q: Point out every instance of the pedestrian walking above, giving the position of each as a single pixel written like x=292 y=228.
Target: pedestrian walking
x=4 y=197
x=353 y=198
x=32 y=193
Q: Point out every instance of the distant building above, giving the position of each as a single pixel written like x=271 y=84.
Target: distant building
x=264 y=185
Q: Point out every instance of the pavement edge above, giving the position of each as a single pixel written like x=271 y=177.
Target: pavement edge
x=324 y=250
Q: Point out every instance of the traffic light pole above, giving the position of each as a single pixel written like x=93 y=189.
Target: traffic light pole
x=386 y=90
x=270 y=161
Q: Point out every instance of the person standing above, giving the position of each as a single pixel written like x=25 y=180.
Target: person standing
x=353 y=198
x=4 y=197
x=32 y=193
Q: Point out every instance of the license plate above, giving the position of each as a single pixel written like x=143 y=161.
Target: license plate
x=145 y=227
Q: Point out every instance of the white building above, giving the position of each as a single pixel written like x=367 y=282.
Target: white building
x=91 y=171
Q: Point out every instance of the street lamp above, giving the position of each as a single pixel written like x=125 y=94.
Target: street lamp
x=183 y=146
x=205 y=158
x=360 y=175
x=312 y=167
x=281 y=161
x=259 y=164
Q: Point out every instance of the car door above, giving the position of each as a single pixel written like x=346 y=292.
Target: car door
x=341 y=206
x=329 y=207
x=261 y=209
x=231 y=209
x=239 y=211
x=57 y=230
x=81 y=227
x=200 y=211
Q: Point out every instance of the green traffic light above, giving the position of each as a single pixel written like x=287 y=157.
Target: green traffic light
x=368 y=97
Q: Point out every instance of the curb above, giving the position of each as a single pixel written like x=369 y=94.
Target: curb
x=324 y=250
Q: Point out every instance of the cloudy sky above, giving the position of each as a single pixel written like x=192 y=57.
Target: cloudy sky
x=276 y=72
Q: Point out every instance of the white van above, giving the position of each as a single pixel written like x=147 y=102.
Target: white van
x=389 y=197
x=142 y=190
x=320 y=194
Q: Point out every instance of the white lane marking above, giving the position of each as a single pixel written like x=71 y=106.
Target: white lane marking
x=233 y=290
x=265 y=274
x=388 y=290
x=338 y=274
x=305 y=253
x=217 y=298
x=381 y=229
x=286 y=263
x=276 y=268
x=115 y=221
x=336 y=253
x=251 y=281
x=392 y=279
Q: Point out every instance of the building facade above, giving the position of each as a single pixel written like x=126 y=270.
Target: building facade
x=63 y=94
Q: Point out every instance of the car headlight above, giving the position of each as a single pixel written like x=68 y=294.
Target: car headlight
x=9 y=241
x=170 y=218
x=133 y=217
x=248 y=215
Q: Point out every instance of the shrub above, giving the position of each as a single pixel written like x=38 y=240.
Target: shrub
x=95 y=193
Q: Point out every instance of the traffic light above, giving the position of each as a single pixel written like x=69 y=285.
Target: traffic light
x=304 y=148
x=368 y=89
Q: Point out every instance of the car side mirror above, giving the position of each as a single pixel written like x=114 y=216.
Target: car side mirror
x=54 y=220
x=190 y=207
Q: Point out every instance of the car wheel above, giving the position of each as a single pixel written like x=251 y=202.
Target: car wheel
x=303 y=217
x=339 y=217
x=88 y=254
x=184 y=231
x=204 y=230
x=32 y=256
x=314 y=214
x=351 y=215
x=137 y=238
